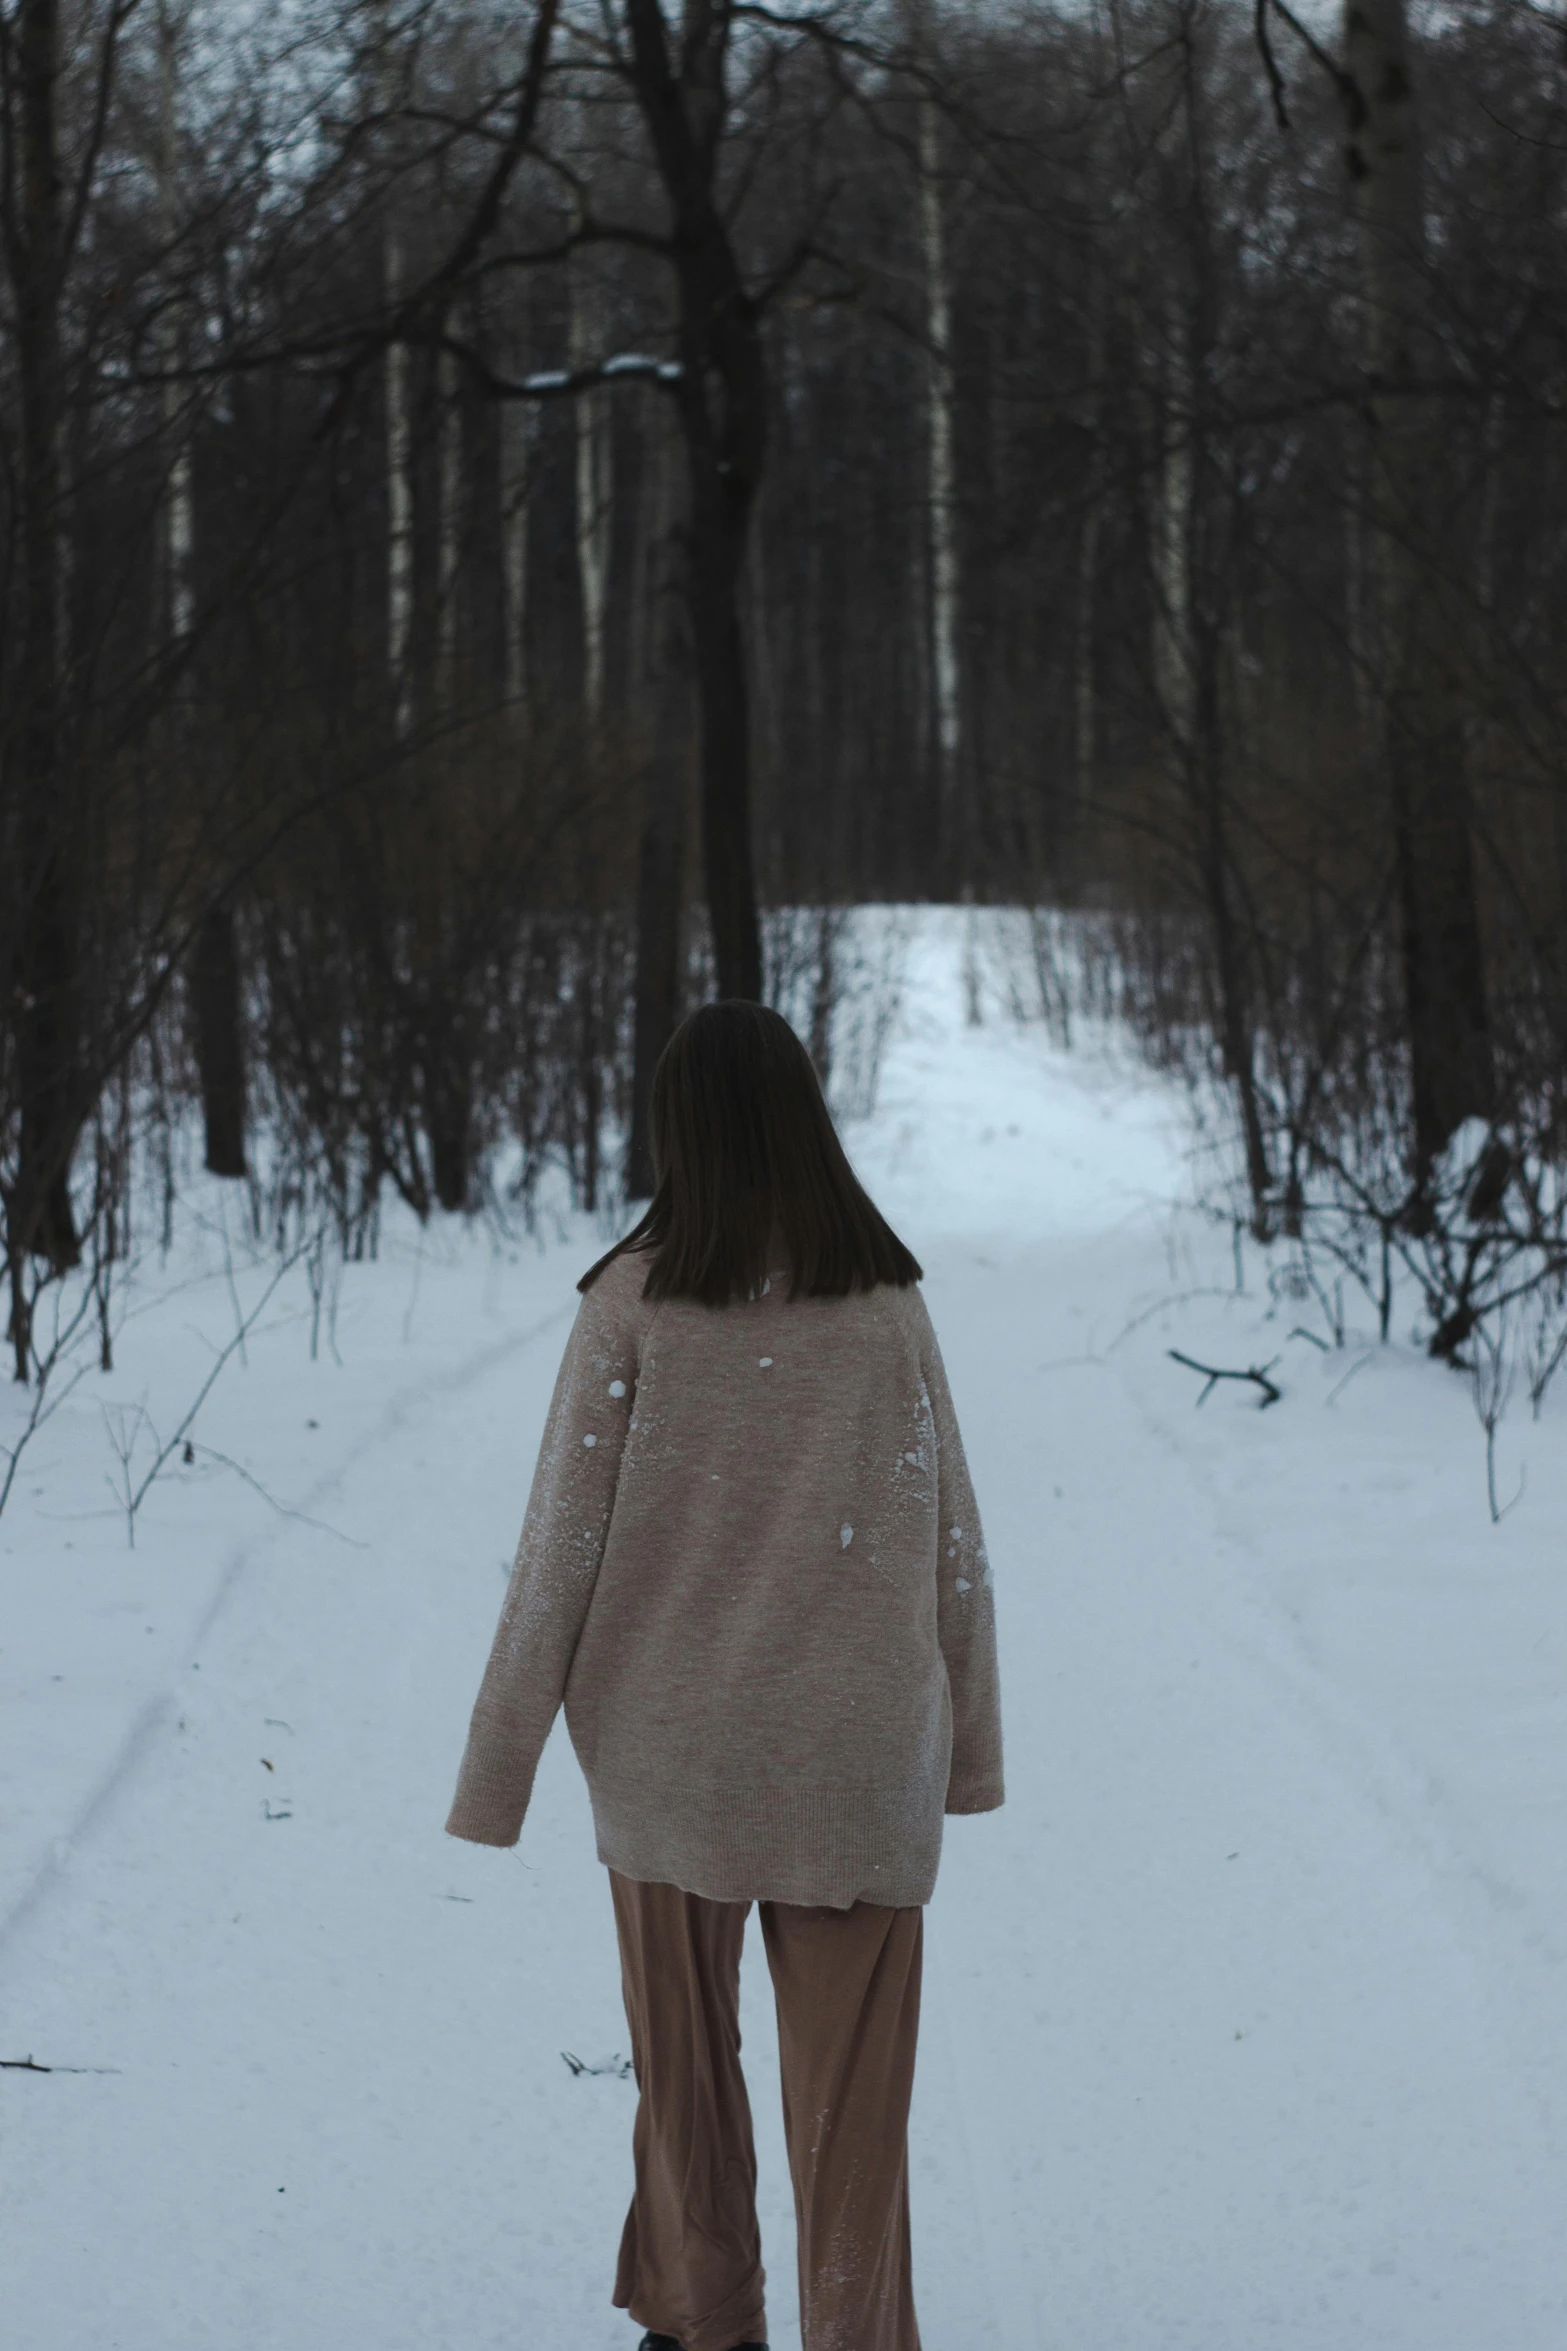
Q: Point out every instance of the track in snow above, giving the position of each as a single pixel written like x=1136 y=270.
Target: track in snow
x=1215 y=2056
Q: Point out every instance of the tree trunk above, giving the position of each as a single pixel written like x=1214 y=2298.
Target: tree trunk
x=179 y=523
x=214 y=981
x=1192 y=562
x=1237 y=1038
x=449 y=528
x=1085 y=682
x=399 y=497
x=1172 y=531
x=179 y=511
x=940 y=406
x=1418 y=633
x=722 y=405
x=44 y=978
x=660 y=863
x=516 y=422
x=1358 y=619
x=666 y=779
x=219 y=1026
x=448 y=1108
x=594 y=450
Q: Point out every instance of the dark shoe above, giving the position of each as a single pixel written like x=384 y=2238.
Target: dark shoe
x=668 y=2343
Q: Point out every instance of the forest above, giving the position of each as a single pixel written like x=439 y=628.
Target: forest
x=516 y=518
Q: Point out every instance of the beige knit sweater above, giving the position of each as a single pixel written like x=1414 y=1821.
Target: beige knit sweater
x=752 y=1568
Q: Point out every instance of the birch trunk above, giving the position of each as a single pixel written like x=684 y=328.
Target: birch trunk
x=592 y=423
x=399 y=495
x=945 y=616
x=213 y=979
x=179 y=523
x=1172 y=533
x=179 y=528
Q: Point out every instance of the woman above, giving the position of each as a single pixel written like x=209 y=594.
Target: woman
x=752 y=1568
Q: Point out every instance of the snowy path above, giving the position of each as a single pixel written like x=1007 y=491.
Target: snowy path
x=1224 y=2049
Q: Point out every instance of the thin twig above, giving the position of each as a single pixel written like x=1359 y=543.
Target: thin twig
x=282 y=1508
x=204 y=1391
x=36 y=1418
x=1339 y=1386
x=1175 y=1298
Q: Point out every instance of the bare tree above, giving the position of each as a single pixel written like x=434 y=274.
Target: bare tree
x=1416 y=629
x=721 y=399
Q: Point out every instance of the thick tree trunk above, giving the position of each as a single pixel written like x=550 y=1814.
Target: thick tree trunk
x=215 y=994
x=1417 y=632
x=448 y=1111
x=45 y=987
x=722 y=404
x=449 y=528
x=726 y=804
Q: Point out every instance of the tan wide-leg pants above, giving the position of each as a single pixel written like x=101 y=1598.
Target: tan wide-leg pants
x=847 y=1985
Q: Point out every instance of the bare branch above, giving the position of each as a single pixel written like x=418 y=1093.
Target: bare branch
x=1255 y=1373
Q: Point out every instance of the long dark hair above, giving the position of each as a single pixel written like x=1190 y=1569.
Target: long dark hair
x=743 y=1143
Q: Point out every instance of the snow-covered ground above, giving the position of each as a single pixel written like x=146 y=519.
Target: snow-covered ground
x=1246 y=2019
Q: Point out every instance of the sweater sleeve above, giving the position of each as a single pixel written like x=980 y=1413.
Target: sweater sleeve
x=558 y=1559
x=965 y=1606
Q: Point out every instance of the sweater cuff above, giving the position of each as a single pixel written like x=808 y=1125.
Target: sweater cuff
x=987 y=1796
x=477 y=1827
x=489 y=1806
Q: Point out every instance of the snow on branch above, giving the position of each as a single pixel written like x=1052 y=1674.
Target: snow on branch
x=548 y=381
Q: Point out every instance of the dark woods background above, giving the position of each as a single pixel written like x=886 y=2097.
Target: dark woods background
x=514 y=517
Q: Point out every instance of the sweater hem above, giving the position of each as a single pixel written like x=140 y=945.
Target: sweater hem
x=821 y=1848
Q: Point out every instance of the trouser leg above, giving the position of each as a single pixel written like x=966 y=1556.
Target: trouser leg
x=690 y=2257
x=847 y=1984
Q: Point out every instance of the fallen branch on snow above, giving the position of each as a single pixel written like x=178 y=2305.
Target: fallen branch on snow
x=30 y=2065
x=1257 y=1374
